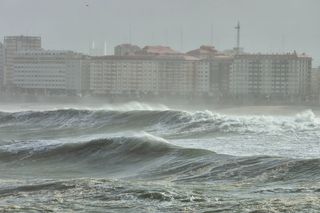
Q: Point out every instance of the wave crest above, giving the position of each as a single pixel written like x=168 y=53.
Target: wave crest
x=167 y=122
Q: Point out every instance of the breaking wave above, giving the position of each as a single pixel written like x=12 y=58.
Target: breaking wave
x=162 y=122
x=145 y=157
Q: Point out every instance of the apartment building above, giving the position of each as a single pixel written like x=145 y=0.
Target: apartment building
x=12 y=45
x=176 y=74
x=315 y=84
x=50 y=70
x=212 y=71
x=278 y=76
x=212 y=76
x=142 y=75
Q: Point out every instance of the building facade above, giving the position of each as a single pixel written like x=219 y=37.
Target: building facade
x=142 y=75
x=212 y=76
x=52 y=71
x=315 y=84
x=12 y=45
x=271 y=76
x=212 y=72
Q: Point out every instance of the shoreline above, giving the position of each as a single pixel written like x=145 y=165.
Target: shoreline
x=27 y=102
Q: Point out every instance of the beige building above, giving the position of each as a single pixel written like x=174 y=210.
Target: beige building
x=315 y=84
x=12 y=45
x=143 y=74
x=50 y=70
x=212 y=76
x=280 y=76
x=212 y=71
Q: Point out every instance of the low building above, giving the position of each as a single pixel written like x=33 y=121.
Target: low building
x=51 y=71
x=126 y=49
x=278 y=76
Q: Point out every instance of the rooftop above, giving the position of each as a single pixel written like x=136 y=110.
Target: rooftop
x=158 y=50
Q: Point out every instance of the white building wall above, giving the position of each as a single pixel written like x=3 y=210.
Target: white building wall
x=12 y=45
x=202 y=77
x=46 y=69
x=282 y=75
x=123 y=76
x=141 y=76
x=239 y=77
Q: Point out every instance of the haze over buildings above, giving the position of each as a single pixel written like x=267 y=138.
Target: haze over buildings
x=158 y=71
x=209 y=55
x=73 y=25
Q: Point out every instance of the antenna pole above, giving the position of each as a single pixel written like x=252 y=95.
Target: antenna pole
x=238 y=37
x=211 y=34
x=130 y=34
x=181 y=39
x=105 y=48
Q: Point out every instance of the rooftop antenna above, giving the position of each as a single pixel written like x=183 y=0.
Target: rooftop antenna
x=238 y=38
x=283 y=44
x=105 y=48
x=130 y=34
x=211 y=34
x=93 y=46
x=166 y=37
x=152 y=38
x=181 y=39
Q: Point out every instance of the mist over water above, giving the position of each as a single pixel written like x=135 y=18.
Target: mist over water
x=140 y=157
x=159 y=106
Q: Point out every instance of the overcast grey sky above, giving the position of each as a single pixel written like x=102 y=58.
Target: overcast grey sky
x=267 y=25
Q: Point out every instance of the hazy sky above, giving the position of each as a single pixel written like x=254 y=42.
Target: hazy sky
x=267 y=25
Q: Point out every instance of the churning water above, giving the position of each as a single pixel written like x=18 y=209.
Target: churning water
x=142 y=158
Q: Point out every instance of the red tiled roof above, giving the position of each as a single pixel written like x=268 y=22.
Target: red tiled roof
x=158 y=50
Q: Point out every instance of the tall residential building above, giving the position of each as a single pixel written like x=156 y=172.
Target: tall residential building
x=275 y=76
x=212 y=71
x=142 y=74
x=126 y=49
x=12 y=45
x=212 y=76
x=49 y=70
x=176 y=74
x=315 y=84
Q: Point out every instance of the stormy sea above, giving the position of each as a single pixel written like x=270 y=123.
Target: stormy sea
x=138 y=157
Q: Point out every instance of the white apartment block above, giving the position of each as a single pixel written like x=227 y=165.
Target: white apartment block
x=286 y=75
x=212 y=76
x=142 y=75
x=12 y=45
x=315 y=82
x=202 y=77
x=51 y=70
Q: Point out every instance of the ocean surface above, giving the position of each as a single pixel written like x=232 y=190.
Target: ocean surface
x=139 y=157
